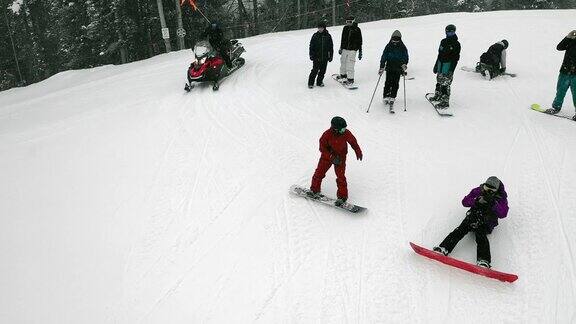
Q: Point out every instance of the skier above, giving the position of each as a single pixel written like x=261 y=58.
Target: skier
x=215 y=36
x=350 y=44
x=567 y=76
x=321 y=52
x=448 y=57
x=488 y=203
x=394 y=61
x=333 y=148
x=493 y=61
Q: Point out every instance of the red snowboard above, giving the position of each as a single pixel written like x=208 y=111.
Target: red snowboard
x=464 y=265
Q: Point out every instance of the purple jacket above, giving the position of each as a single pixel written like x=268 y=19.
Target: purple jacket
x=500 y=207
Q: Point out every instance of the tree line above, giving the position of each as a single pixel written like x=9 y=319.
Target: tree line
x=39 y=38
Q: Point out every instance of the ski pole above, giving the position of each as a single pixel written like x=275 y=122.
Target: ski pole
x=404 y=77
x=377 y=83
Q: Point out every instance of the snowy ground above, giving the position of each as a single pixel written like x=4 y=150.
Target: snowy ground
x=125 y=200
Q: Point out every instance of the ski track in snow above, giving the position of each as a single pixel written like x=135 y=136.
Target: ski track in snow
x=157 y=206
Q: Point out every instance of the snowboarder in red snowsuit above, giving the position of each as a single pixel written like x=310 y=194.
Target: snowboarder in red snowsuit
x=334 y=147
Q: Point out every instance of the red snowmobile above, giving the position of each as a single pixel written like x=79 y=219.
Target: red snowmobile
x=210 y=67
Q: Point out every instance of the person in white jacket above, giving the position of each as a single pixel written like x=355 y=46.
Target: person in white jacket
x=350 y=45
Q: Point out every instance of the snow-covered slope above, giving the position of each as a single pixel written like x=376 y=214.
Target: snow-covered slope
x=125 y=200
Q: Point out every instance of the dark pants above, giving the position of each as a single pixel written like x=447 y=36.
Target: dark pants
x=392 y=84
x=481 y=232
x=443 y=83
x=318 y=71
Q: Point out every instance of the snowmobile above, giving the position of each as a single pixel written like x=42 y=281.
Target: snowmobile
x=208 y=66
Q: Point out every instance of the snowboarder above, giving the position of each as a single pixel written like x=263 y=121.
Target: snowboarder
x=333 y=148
x=448 y=57
x=321 y=52
x=488 y=203
x=394 y=61
x=215 y=36
x=567 y=76
x=350 y=45
x=493 y=62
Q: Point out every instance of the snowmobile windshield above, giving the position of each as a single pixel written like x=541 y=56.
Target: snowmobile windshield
x=202 y=49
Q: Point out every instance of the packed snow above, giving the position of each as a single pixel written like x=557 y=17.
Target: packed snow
x=126 y=200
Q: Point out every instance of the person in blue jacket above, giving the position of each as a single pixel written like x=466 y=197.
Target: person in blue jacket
x=394 y=61
x=448 y=57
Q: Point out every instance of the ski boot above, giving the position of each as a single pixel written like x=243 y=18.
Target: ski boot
x=341 y=77
x=187 y=87
x=442 y=105
x=483 y=263
x=215 y=86
x=441 y=250
x=435 y=98
x=386 y=101
x=310 y=86
x=391 y=104
x=574 y=118
x=552 y=111
x=321 y=84
x=340 y=201
x=349 y=82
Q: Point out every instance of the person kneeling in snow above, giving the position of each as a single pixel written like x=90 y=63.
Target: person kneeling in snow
x=488 y=203
x=334 y=147
x=493 y=62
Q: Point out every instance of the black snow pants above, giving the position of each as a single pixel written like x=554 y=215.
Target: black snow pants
x=317 y=73
x=392 y=84
x=481 y=232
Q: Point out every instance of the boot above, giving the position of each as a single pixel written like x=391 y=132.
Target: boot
x=441 y=250
x=552 y=111
x=340 y=201
x=483 y=263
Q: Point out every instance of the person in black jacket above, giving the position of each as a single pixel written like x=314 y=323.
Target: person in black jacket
x=493 y=61
x=567 y=77
x=321 y=52
x=394 y=61
x=350 y=45
x=448 y=57
x=215 y=36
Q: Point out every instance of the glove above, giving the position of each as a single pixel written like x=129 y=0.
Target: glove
x=502 y=70
x=311 y=58
x=359 y=157
x=572 y=34
x=380 y=71
x=340 y=51
x=404 y=67
x=335 y=159
x=360 y=55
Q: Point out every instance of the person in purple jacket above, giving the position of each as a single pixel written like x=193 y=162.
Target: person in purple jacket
x=487 y=203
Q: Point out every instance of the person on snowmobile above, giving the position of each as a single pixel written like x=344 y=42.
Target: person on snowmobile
x=394 y=61
x=350 y=44
x=567 y=76
x=214 y=34
x=321 y=52
x=448 y=57
x=493 y=61
x=334 y=148
x=487 y=203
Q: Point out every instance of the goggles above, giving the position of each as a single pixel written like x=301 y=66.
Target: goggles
x=488 y=188
x=348 y=21
x=450 y=33
x=341 y=130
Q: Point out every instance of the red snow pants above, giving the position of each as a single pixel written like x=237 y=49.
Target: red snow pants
x=323 y=167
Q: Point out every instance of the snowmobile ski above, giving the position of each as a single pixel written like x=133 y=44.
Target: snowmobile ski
x=486 y=272
x=444 y=112
x=469 y=69
x=305 y=193
x=349 y=87
x=539 y=108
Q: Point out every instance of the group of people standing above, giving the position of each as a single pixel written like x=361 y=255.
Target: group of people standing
x=394 y=61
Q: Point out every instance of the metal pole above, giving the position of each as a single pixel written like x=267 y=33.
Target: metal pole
x=404 y=77
x=376 y=88
x=163 y=25
x=13 y=47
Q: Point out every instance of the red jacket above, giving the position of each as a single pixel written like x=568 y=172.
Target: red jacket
x=332 y=144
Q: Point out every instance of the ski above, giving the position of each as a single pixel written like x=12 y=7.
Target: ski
x=486 y=272
x=303 y=192
x=444 y=112
x=349 y=87
x=469 y=69
x=538 y=108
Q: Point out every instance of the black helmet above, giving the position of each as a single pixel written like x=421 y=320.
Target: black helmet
x=338 y=123
x=450 y=28
x=322 y=24
x=505 y=42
